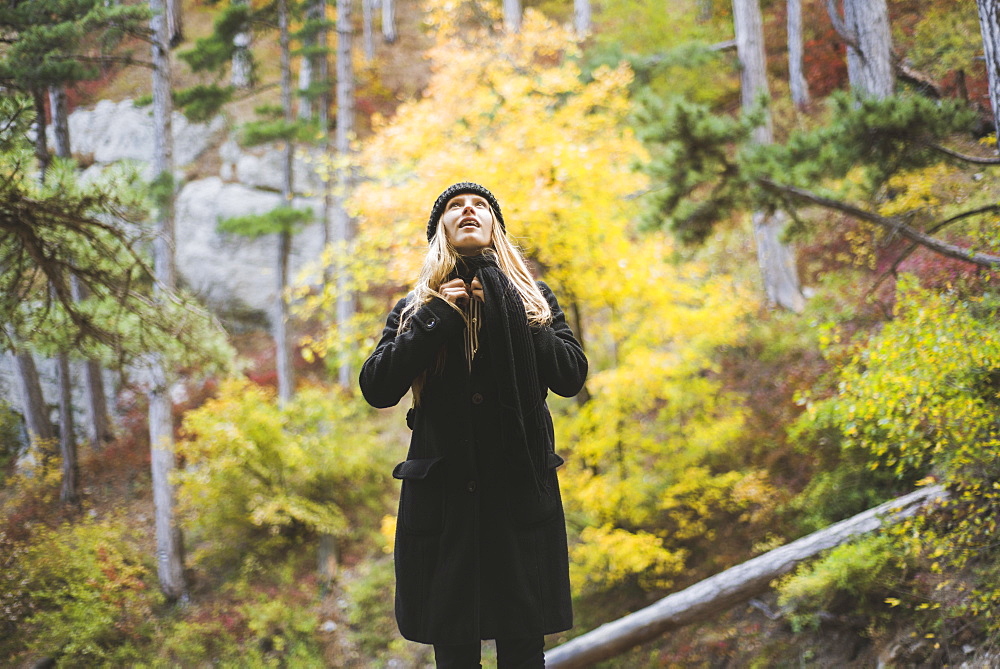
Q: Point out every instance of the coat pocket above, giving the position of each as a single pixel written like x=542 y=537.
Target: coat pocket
x=528 y=505
x=421 y=501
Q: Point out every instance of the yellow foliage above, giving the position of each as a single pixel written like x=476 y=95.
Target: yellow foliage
x=515 y=113
x=607 y=555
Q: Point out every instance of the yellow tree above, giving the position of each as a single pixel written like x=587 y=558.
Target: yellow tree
x=515 y=113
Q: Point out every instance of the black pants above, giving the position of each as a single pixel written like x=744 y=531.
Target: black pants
x=511 y=654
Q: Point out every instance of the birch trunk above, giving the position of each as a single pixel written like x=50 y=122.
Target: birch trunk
x=367 y=32
x=796 y=73
x=720 y=592
x=581 y=17
x=169 y=545
x=776 y=259
x=283 y=358
x=389 y=21
x=343 y=226
x=512 y=16
x=989 y=24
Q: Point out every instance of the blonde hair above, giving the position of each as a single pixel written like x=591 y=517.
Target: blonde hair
x=439 y=264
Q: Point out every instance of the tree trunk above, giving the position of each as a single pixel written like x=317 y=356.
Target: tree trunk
x=36 y=414
x=869 y=66
x=512 y=16
x=169 y=545
x=367 y=33
x=796 y=74
x=865 y=28
x=64 y=380
x=67 y=436
x=776 y=259
x=581 y=17
x=100 y=432
x=175 y=22
x=283 y=359
x=389 y=21
x=989 y=24
x=343 y=226
x=717 y=593
x=60 y=121
x=241 y=71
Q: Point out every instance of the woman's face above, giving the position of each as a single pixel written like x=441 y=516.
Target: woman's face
x=468 y=223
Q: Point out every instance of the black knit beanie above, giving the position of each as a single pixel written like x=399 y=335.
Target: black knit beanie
x=460 y=189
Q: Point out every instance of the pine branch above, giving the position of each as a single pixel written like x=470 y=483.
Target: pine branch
x=893 y=224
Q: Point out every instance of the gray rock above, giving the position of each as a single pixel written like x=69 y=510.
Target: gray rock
x=221 y=267
x=114 y=131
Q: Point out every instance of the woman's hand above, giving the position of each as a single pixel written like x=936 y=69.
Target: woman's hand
x=455 y=291
x=476 y=288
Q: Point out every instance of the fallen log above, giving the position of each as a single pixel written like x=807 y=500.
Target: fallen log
x=720 y=592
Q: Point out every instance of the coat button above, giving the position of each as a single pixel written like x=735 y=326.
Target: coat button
x=471 y=486
x=431 y=323
x=477 y=398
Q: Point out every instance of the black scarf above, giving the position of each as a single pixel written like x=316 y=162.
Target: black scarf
x=512 y=355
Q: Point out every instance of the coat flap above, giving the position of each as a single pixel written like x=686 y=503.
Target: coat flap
x=552 y=460
x=414 y=469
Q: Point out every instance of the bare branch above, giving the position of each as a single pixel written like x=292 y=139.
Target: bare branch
x=975 y=160
x=893 y=224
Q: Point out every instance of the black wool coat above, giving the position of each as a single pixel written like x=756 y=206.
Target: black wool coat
x=480 y=551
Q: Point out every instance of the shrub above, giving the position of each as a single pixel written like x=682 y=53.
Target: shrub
x=258 y=474
x=83 y=594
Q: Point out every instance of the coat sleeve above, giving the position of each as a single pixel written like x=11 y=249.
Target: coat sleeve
x=399 y=358
x=561 y=361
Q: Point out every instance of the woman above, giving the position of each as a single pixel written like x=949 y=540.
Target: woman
x=480 y=537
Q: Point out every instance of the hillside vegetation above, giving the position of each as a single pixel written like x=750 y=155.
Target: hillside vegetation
x=715 y=424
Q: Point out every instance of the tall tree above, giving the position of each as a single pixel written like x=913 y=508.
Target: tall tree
x=796 y=72
x=51 y=43
x=343 y=226
x=64 y=377
x=776 y=259
x=279 y=125
x=989 y=23
x=864 y=26
x=169 y=543
x=314 y=68
x=99 y=423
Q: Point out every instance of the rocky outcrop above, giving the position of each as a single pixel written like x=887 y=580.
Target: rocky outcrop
x=232 y=274
x=228 y=270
